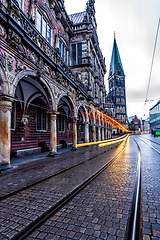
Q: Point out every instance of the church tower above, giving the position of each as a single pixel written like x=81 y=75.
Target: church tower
x=117 y=85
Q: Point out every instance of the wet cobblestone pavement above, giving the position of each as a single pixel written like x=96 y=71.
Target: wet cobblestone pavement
x=22 y=209
x=102 y=209
x=150 y=188
x=32 y=172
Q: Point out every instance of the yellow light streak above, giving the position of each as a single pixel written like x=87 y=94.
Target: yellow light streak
x=109 y=143
x=111 y=121
x=102 y=142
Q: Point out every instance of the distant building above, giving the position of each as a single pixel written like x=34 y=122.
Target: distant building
x=117 y=85
x=154 y=116
x=145 y=125
x=134 y=123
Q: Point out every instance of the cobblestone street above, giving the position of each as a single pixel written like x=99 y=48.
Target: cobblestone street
x=102 y=210
x=26 y=206
x=150 y=189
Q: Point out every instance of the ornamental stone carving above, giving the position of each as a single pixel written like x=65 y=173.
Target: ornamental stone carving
x=10 y=64
x=24 y=119
x=20 y=66
x=13 y=39
x=5 y=109
x=3 y=33
x=2 y=58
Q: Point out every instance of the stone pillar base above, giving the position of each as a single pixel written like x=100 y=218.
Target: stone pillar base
x=5 y=167
x=52 y=154
x=74 y=149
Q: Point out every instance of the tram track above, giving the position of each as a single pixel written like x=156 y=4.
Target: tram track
x=134 y=222
x=133 y=231
x=29 y=229
x=134 y=225
x=150 y=179
x=151 y=141
x=52 y=175
x=151 y=145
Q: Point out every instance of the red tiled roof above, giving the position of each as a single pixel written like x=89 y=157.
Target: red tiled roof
x=77 y=17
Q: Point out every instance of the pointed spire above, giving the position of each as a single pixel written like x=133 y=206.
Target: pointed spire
x=115 y=60
x=90 y=7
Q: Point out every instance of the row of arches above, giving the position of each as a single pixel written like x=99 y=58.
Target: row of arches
x=32 y=116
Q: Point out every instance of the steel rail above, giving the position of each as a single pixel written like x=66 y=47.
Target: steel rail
x=46 y=178
x=150 y=141
x=32 y=227
x=134 y=222
x=150 y=145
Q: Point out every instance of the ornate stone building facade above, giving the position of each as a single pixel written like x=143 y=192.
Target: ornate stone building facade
x=51 y=78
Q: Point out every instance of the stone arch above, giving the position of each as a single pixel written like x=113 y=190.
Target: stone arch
x=70 y=100
x=66 y=116
x=97 y=118
x=92 y=117
x=102 y=119
x=40 y=82
x=84 y=113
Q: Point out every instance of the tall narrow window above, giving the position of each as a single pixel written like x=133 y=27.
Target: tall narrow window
x=74 y=54
x=41 y=119
x=61 y=123
x=38 y=21
x=44 y=120
x=63 y=52
x=60 y=47
x=20 y=3
x=79 y=51
x=48 y=34
x=43 y=27
x=66 y=55
x=38 y=119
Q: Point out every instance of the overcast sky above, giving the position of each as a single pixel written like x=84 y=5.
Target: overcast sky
x=135 y=24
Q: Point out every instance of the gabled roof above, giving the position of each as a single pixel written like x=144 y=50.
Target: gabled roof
x=130 y=118
x=77 y=17
x=115 y=60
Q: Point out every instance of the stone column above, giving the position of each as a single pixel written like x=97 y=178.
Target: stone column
x=74 y=147
x=103 y=133
x=53 y=134
x=94 y=133
x=5 y=131
x=99 y=133
x=110 y=132
x=86 y=132
x=106 y=132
